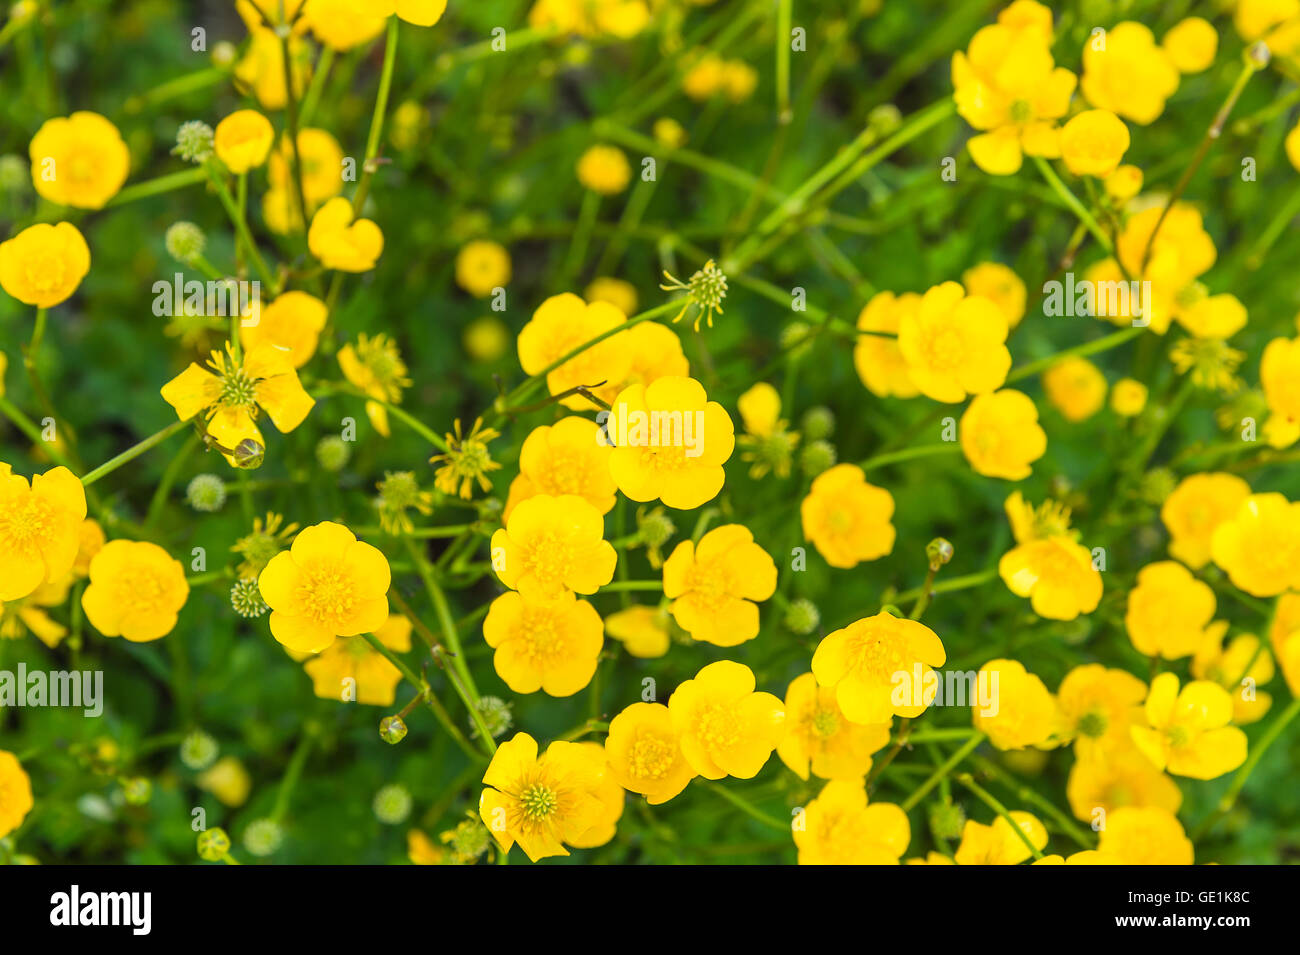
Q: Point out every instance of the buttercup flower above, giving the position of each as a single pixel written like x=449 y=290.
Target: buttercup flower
x=955 y=344
x=999 y=843
x=1093 y=143
x=1145 y=836
x=1075 y=387
x=327 y=585
x=18 y=617
x=44 y=264
x=292 y=323
x=1000 y=285
x=466 y=461
x=767 y=442
x=847 y=519
x=79 y=161
x=1240 y=668
x=839 y=828
x=724 y=727
x=551 y=544
x=544 y=643
x=1123 y=183
x=622 y=295
x=40 y=528
x=645 y=754
x=1098 y=704
x=15 y=793
x=642 y=630
x=604 y=169
x=877 y=358
x=1128 y=74
x=482 y=266
x=563 y=323
x=567 y=457
x=821 y=739
x=136 y=591
x=262 y=68
x=1048 y=566
x=609 y=794
x=1284 y=636
x=714 y=586
x=1117 y=778
x=375 y=366
x=344 y=24
x=1191 y=44
x=1000 y=435
x=1168 y=611
x=1210 y=316
x=1024 y=712
x=1279 y=374
x=322 y=169
x=1196 y=508
x=341 y=243
x=1188 y=731
x=243 y=140
x=1259 y=546
x=420 y=13
x=880 y=667
x=1128 y=397
x=350 y=669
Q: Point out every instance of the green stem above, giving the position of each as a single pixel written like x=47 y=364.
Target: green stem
x=745 y=806
x=156 y=187
x=377 y=119
x=133 y=452
x=1113 y=340
x=907 y=454
x=1075 y=206
x=985 y=797
x=941 y=773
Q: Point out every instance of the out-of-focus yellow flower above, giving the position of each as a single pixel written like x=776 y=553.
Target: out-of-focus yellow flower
x=136 y=591
x=1128 y=397
x=725 y=728
x=1191 y=44
x=1007 y=86
x=255 y=13
x=1259 y=546
x=422 y=850
x=486 y=338
x=1048 y=566
x=1254 y=18
x=999 y=843
x=955 y=344
x=327 y=584
x=668 y=132
x=877 y=358
x=821 y=739
x=375 y=366
x=262 y=69
x=541 y=802
x=322 y=169
x=1000 y=434
x=15 y=793
x=551 y=544
x=739 y=80
x=1279 y=374
x=1213 y=316
x=228 y=780
x=350 y=669
x=1292 y=146
x=567 y=457
x=1085 y=857
x=79 y=160
x=609 y=794
x=1123 y=183
x=1168 y=611
x=1119 y=777
x=1000 y=285
x=1024 y=712
x=40 y=529
x=344 y=24
x=767 y=444
x=292 y=323
x=1188 y=731
x=839 y=828
x=1094 y=142
x=620 y=294
x=715 y=586
x=705 y=75
x=44 y=264
x=542 y=642
x=243 y=140
x=1284 y=636
x=670 y=442
x=420 y=13
x=29 y=614
x=619 y=18
x=604 y=169
x=1098 y=705
x=1075 y=387
x=409 y=121
x=847 y=519
x=1181 y=251
x=563 y=323
x=1199 y=504
x=1240 y=668
x=642 y=630
x=481 y=267
x=341 y=243
x=1149 y=835
x=880 y=667
x=1128 y=74
x=644 y=753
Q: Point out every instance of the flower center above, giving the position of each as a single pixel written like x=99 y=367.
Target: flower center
x=543 y=636
x=237 y=389
x=651 y=756
x=825 y=723
x=709 y=585
x=23 y=525
x=715 y=725
x=538 y=802
x=327 y=594
x=1093 y=724
x=548 y=558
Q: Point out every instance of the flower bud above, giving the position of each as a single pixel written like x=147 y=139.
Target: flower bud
x=816 y=457
x=246 y=600
x=392 y=804
x=198 y=750
x=392 y=729
x=818 y=422
x=194 y=141
x=263 y=837
x=249 y=454
x=497 y=716
x=206 y=492
x=213 y=845
x=802 y=616
x=333 y=453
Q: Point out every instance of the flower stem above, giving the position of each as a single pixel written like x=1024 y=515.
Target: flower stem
x=156 y=187
x=377 y=119
x=941 y=773
x=745 y=806
x=1072 y=201
x=133 y=452
x=985 y=797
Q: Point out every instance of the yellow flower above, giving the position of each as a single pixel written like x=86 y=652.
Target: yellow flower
x=261 y=71
x=1240 y=668
x=1279 y=374
x=670 y=442
x=79 y=161
x=1024 y=712
x=1098 y=705
x=668 y=132
x=1259 y=545
x=1196 y=508
x=1007 y=86
x=466 y=461
x=604 y=169
x=955 y=344
x=1254 y=18
x=327 y=585
x=344 y=24
x=760 y=409
x=1128 y=74
x=821 y=739
x=540 y=802
x=608 y=793
x=619 y=18
x=421 y=850
x=29 y=614
x=620 y=294
x=563 y=323
x=1213 y=316
x=1093 y=143
x=1149 y=835
x=877 y=358
x=481 y=267
x=1181 y=252
x=1124 y=183
x=1075 y=388
x=999 y=843
x=1292 y=146
x=1128 y=397
x=705 y=75
x=642 y=630
x=1285 y=638
x=136 y=591
x=847 y=519
x=486 y=338
x=1056 y=574
x=714 y=586
x=40 y=526
x=551 y=544
x=1168 y=611
x=1117 y=778
x=739 y=80
x=322 y=169
x=644 y=752
x=1000 y=435
x=44 y=264
x=375 y=366
x=341 y=243
x=420 y=13
x=567 y=457
x=839 y=828
x=15 y=793
x=1085 y=857
x=1000 y=285
x=263 y=380
x=880 y=667
x=1191 y=44
x=1188 y=732
x=292 y=323
x=543 y=642
x=243 y=140
x=228 y=780
x=350 y=669
x=725 y=728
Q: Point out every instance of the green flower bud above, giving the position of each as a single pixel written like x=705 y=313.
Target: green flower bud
x=392 y=729
x=137 y=791
x=818 y=423
x=392 y=804
x=15 y=174
x=263 y=837
x=816 y=457
x=802 y=616
x=194 y=141
x=655 y=527
x=185 y=242
x=947 y=820
x=246 y=600
x=938 y=552
x=333 y=453
x=497 y=716
x=206 y=492
x=469 y=840
x=213 y=845
x=249 y=454
x=199 y=750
